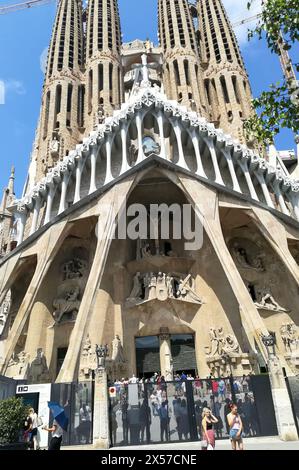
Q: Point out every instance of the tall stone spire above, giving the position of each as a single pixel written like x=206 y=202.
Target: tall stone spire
x=226 y=82
x=182 y=74
x=61 y=118
x=103 y=61
x=6 y=218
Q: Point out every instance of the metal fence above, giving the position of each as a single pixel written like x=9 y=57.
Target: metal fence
x=172 y=412
x=77 y=400
x=293 y=388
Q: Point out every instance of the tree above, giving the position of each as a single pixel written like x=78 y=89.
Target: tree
x=13 y=413
x=279 y=107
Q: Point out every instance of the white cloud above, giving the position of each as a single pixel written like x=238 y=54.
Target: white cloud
x=14 y=86
x=237 y=10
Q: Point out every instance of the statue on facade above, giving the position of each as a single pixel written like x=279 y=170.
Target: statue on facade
x=150 y=146
x=101 y=355
x=38 y=370
x=73 y=269
x=289 y=336
x=117 y=350
x=68 y=303
x=136 y=292
x=54 y=147
x=163 y=286
x=222 y=344
x=243 y=260
x=18 y=365
x=266 y=301
x=4 y=310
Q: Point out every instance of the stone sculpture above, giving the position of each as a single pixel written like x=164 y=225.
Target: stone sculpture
x=221 y=343
x=4 y=311
x=289 y=336
x=163 y=286
x=67 y=303
x=265 y=300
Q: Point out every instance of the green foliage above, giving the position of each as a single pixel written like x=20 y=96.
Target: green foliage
x=279 y=107
x=13 y=413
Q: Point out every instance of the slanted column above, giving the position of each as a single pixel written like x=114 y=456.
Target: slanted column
x=139 y=132
x=211 y=146
x=265 y=189
x=244 y=168
x=93 y=169
x=123 y=134
x=79 y=171
x=50 y=199
x=166 y=356
x=178 y=133
x=36 y=210
x=231 y=167
x=21 y=217
x=109 y=176
x=160 y=119
x=294 y=199
x=280 y=198
x=64 y=185
x=200 y=170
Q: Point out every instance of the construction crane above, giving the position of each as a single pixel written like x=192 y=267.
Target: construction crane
x=23 y=6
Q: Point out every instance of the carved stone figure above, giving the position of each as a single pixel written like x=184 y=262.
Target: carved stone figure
x=117 y=350
x=145 y=249
x=4 y=311
x=161 y=290
x=149 y=146
x=289 y=336
x=152 y=287
x=73 y=269
x=162 y=286
x=54 y=147
x=266 y=301
x=222 y=343
x=242 y=258
x=38 y=369
x=67 y=303
x=137 y=288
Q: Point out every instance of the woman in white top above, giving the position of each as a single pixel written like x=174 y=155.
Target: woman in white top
x=236 y=428
x=57 y=433
x=33 y=428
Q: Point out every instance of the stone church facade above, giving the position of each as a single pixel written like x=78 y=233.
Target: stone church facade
x=122 y=125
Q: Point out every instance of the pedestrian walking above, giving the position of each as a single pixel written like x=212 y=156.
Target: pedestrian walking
x=33 y=429
x=57 y=433
x=236 y=428
x=208 y=435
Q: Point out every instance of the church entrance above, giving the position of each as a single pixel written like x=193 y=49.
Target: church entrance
x=165 y=353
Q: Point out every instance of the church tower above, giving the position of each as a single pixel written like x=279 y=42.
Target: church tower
x=6 y=218
x=182 y=75
x=61 y=122
x=103 y=61
x=225 y=79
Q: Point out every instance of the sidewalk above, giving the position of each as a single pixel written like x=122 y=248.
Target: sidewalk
x=258 y=443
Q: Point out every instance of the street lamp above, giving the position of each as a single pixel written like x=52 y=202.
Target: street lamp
x=101 y=352
x=269 y=342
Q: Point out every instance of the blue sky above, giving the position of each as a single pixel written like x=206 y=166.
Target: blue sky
x=25 y=35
